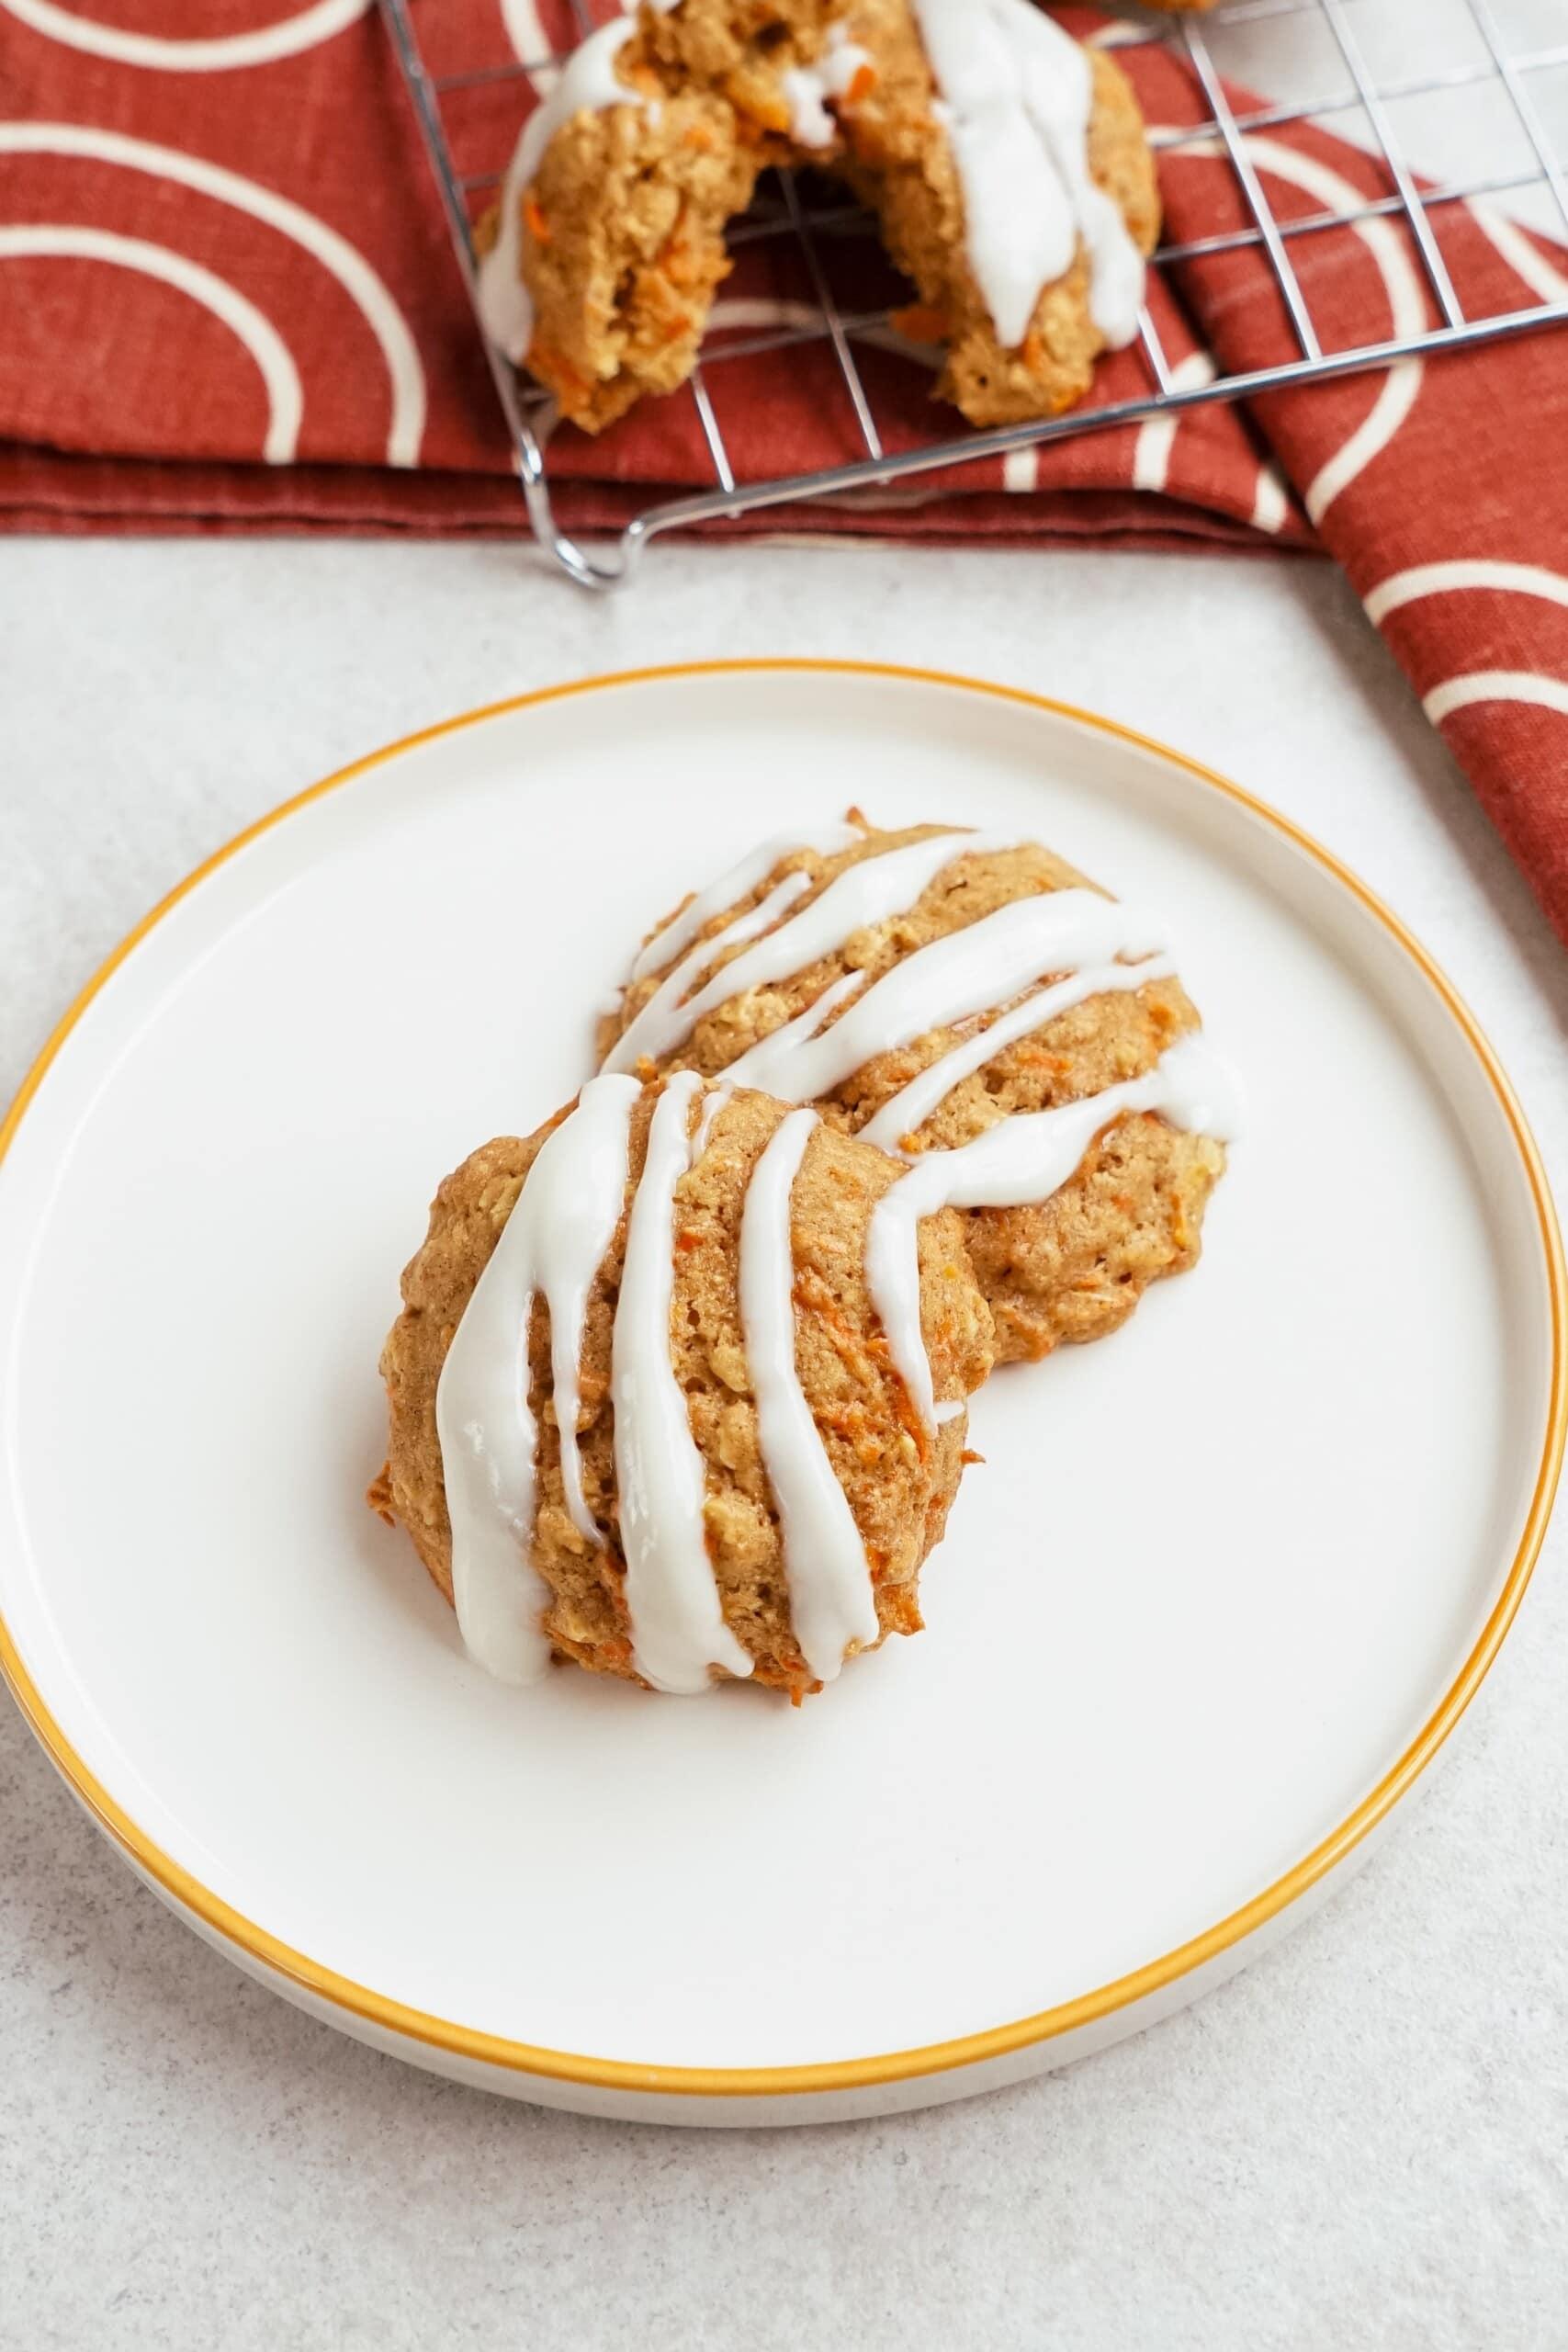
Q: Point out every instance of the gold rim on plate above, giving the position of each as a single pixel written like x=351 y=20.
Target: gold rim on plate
x=994 y=2041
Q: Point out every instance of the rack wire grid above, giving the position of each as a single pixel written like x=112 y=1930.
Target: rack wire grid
x=1498 y=67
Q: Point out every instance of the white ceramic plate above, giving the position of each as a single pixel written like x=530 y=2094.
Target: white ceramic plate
x=1219 y=1593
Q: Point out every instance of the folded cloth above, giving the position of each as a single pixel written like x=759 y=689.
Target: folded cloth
x=227 y=303
x=1440 y=484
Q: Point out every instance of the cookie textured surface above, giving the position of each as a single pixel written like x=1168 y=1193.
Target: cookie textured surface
x=621 y=229
x=898 y=1477
x=1071 y=1266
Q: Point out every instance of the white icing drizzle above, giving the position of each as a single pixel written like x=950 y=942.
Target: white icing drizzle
x=748 y=874
x=1022 y=1160
x=830 y=1599
x=775 y=1052
x=663 y=1015
x=1017 y=94
x=712 y=1106
x=914 y=1103
x=965 y=973
x=563 y=1223
x=678 y=1628
x=870 y=891
x=807 y=88
x=588 y=81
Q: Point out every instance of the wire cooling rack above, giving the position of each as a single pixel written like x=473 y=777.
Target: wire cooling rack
x=1498 y=69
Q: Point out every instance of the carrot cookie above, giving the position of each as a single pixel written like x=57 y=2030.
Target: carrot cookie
x=969 y=1004
x=1008 y=166
x=642 y=1413
x=1009 y=173
x=609 y=240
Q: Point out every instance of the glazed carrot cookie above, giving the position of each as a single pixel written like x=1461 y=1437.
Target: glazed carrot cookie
x=1008 y=166
x=641 y=1413
x=609 y=240
x=969 y=1004
x=1010 y=171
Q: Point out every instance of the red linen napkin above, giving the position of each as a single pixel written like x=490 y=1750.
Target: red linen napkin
x=226 y=301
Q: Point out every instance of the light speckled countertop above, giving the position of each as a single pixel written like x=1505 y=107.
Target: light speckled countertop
x=1363 y=2139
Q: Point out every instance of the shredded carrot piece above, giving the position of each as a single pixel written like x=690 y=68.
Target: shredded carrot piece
x=862 y=84
x=921 y=321
x=865 y=138
x=762 y=107
x=812 y=1294
x=904 y=1406
x=969 y=1455
x=534 y=219
x=904 y=1612
x=699 y=138
x=546 y=362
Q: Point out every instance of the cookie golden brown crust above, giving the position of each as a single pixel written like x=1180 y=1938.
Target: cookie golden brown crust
x=1071 y=1268
x=623 y=226
x=898 y=1479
